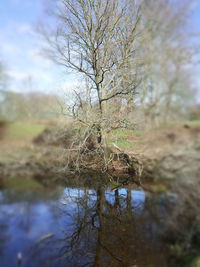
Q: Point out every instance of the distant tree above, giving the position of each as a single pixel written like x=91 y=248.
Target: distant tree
x=3 y=76
x=167 y=52
x=3 y=88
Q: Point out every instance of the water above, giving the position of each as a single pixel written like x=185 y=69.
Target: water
x=83 y=227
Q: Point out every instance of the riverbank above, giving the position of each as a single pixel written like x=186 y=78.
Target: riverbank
x=167 y=153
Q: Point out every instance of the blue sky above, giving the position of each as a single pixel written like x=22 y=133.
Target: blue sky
x=20 y=48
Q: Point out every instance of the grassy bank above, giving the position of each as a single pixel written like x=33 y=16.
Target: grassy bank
x=18 y=131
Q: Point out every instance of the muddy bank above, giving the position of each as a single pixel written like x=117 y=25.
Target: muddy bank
x=182 y=163
x=51 y=165
x=51 y=156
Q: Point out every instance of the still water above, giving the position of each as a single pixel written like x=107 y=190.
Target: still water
x=83 y=227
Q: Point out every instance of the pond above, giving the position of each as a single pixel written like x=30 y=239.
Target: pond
x=72 y=226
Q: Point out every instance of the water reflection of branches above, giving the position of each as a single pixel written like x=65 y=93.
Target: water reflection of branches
x=103 y=228
x=106 y=229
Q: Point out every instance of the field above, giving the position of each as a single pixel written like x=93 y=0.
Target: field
x=22 y=131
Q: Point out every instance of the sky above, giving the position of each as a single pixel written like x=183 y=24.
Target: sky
x=20 y=48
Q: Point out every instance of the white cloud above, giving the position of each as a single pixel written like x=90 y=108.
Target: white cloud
x=37 y=75
x=18 y=75
x=8 y=48
x=67 y=86
x=43 y=75
x=37 y=56
x=25 y=28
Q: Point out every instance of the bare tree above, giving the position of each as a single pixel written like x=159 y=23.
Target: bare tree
x=97 y=39
x=167 y=57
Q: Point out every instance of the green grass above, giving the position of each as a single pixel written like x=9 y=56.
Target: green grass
x=22 y=130
x=121 y=137
x=123 y=143
x=122 y=133
x=193 y=123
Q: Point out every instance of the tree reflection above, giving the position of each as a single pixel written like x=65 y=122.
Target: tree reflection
x=98 y=227
x=3 y=237
x=103 y=228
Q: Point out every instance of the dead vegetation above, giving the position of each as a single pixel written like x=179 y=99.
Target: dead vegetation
x=58 y=137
